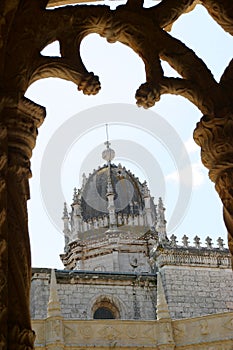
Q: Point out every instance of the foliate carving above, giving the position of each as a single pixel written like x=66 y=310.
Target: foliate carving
x=69 y=25
x=214 y=135
x=21 y=339
x=166 y=14
x=20 y=119
x=3 y=239
x=221 y=11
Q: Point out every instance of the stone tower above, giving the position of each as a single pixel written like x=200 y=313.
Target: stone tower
x=113 y=222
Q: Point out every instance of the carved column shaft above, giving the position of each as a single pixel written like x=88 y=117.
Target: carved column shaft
x=20 y=124
x=214 y=136
x=3 y=238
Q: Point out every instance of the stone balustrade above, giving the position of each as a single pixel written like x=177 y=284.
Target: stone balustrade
x=199 y=254
x=209 y=332
x=197 y=243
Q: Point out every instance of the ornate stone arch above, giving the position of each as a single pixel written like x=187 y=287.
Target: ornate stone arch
x=110 y=302
x=26 y=27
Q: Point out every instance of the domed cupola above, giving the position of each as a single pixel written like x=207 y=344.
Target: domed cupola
x=127 y=190
x=112 y=203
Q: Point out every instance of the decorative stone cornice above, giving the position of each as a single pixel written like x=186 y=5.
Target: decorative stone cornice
x=76 y=277
x=185 y=255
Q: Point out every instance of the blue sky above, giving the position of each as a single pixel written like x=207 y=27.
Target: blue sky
x=121 y=72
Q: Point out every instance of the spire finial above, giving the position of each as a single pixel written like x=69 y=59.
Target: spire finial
x=75 y=195
x=161 y=222
x=106 y=125
x=65 y=211
x=54 y=307
x=162 y=307
x=108 y=154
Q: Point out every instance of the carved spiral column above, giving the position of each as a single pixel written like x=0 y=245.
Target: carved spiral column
x=214 y=136
x=21 y=121
x=3 y=238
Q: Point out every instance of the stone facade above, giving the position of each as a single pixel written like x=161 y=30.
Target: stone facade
x=193 y=292
x=58 y=333
x=155 y=293
x=197 y=280
x=133 y=295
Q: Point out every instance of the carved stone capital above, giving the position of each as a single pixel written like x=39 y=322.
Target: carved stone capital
x=21 y=120
x=214 y=136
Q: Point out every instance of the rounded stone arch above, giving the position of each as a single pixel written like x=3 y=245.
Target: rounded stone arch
x=108 y=303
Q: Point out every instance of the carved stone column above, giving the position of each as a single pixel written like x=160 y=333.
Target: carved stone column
x=215 y=137
x=3 y=238
x=19 y=130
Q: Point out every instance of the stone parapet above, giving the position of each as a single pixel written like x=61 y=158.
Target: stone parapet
x=205 y=333
x=170 y=253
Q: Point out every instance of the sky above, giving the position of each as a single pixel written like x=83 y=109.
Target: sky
x=156 y=144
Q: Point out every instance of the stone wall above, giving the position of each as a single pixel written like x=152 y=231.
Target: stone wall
x=195 y=291
x=118 y=261
x=99 y=263
x=134 y=295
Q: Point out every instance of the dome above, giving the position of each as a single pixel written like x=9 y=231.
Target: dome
x=112 y=202
x=127 y=190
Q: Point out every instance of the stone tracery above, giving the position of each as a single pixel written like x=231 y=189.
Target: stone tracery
x=26 y=27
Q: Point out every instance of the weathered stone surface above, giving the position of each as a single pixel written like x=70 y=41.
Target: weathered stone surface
x=80 y=291
x=206 y=333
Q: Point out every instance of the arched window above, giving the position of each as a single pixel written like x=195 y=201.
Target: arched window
x=104 y=308
x=103 y=313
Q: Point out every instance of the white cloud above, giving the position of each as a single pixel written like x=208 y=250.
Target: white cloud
x=198 y=176
x=191 y=146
